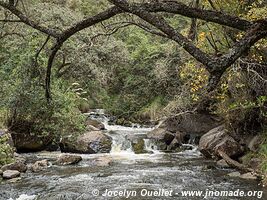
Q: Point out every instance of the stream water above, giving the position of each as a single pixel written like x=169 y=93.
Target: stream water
x=173 y=173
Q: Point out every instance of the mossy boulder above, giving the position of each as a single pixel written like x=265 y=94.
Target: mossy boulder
x=138 y=146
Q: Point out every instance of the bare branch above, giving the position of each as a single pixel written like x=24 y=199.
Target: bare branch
x=39 y=51
x=9 y=20
x=206 y=15
x=124 y=24
x=90 y=21
x=28 y=21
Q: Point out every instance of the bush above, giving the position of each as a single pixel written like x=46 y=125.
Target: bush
x=6 y=151
x=30 y=112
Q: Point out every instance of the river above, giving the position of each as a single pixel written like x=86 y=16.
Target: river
x=129 y=176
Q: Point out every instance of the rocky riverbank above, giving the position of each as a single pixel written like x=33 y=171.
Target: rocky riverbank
x=171 y=135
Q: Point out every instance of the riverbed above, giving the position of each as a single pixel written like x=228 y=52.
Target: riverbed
x=154 y=175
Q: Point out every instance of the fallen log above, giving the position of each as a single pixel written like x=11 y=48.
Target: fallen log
x=235 y=164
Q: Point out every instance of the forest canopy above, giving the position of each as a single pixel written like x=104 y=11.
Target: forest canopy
x=139 y=60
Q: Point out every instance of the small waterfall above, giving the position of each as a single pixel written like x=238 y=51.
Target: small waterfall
x=119 y=142
x=150 y=146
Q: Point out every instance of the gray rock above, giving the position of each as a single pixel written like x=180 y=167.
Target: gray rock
x=191 y=123
x=102 y=161
x=1 y=172
x=9 y=174
x=66 y=159
x=38 y=166
x=234 y=174
x=14 y=180
x=160 y=134
x=88 y=143
x=18 y=165
x=249 y=176
x=135 y=137
x=222 y=163
x=94 y=124
x=26 y=142
x=218 y=139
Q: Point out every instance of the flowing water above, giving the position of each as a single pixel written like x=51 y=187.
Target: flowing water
x=136 y=174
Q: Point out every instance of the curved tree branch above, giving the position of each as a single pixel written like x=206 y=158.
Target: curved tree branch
x=28 y=21
x=90 y=21
x=206 y=15
x=146 y=11
x=215 y=65
x=161 y=24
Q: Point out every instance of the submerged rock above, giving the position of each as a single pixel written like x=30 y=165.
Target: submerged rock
x=102 y=162
x=18 y=165
x=218 y=139
x=66 y=159
x=9 y=174
x=88 y=143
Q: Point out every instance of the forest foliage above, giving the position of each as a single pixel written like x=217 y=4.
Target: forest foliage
x=132 y=74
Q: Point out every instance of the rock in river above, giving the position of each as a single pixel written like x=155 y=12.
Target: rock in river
x=161 y=138
x=191 y=123
x=18 y=165
x=88 y=143
x=9 y=174
x=216 y=140
x=39 y=166
x=66 y=159
x=94 y=124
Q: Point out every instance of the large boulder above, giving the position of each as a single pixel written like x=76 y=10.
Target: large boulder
x=161 y=138
x=217 y=140
x=191 y=123
x=18 y=165
x=94 y=125
x=88 y=143
x=27 y=142
x=66 y=159
x=9 y=174
x=161 y=134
